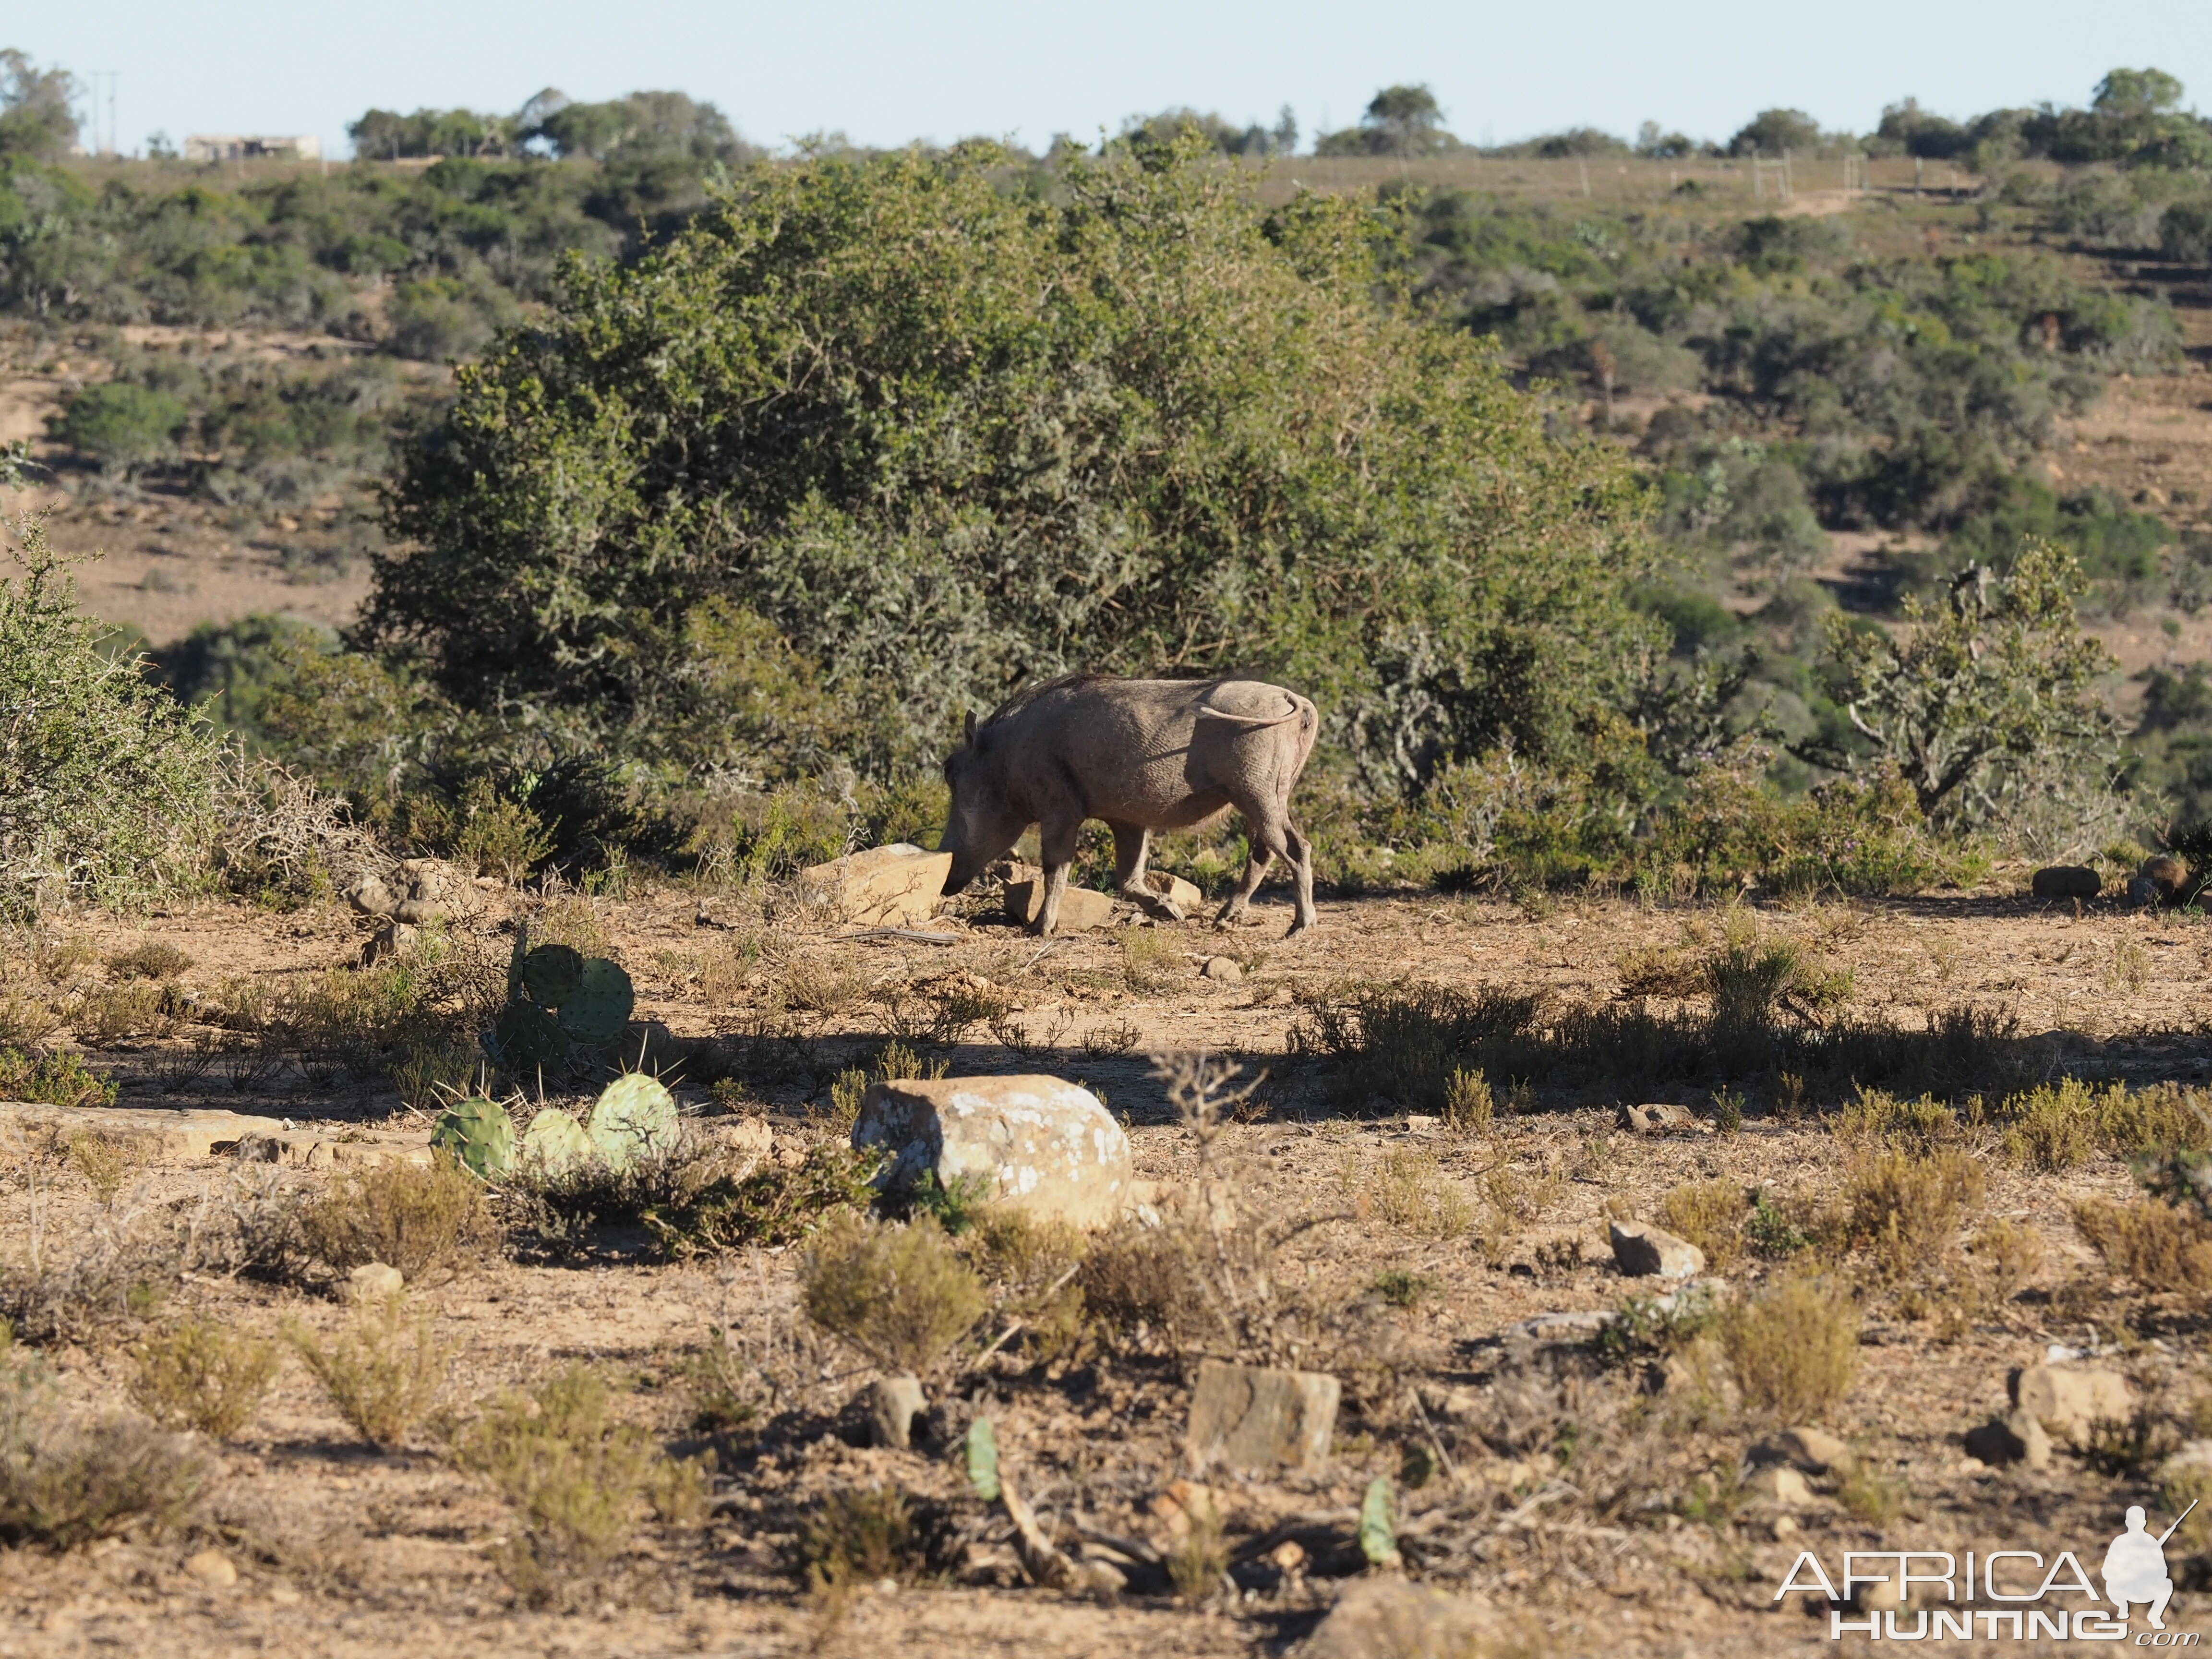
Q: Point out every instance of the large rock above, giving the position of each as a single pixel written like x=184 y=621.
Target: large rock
x=1081 y=909
x=1258 y=1418
x=1642 y=1249
x=2065 y=881
x=1043 y=1144
x=1779 y=1484
x=1389 y=1616
x=894 y=886
x=1175 y=889
x=893 y=1404
x=2162 y=880
x=2066 y=1401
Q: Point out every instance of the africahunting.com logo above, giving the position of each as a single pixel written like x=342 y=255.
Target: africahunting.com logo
x=1915 y=1595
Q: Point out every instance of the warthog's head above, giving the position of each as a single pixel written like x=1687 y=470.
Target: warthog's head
x=982 y=825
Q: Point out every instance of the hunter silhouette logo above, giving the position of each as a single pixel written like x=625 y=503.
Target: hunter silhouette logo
x=2134 y=1568
x=1916 y=1595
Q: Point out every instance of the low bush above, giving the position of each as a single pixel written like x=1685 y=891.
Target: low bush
x=1409 y=1191
x=579 y=1478
x=1710 y=1214
x=200 y=1375
x=562 y=1209
x=150 y=958
x=383 y=1372
x=65 y=1481
x=861 y=1536
x=421 y=1219
x=1794 y=1348
x=2161 y=1248
x=2065 y=1123
x=770 y=1206
x=138 y=1008
x=55 y=1079
x=1029 y=1268
x=1905 y=1211
x=112 y=1274
x=899 y=1293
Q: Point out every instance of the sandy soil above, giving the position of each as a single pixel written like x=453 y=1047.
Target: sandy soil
x=345 y=1551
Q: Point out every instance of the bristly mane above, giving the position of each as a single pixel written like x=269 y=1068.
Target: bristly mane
x=1029 y=694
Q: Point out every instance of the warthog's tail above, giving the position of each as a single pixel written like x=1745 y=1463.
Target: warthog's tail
x=1205 y=713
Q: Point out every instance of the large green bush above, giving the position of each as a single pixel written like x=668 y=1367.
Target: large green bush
x=122 y=426
x=106 y=782
x=944 y=437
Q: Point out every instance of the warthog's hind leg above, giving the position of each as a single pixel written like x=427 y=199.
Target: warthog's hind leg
x=1301 y=858
x=1255 y=872
x=1133 y=847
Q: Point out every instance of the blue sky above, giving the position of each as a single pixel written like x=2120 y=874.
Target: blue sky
x=886 y=73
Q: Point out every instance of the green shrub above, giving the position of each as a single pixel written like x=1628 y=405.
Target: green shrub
x=1794 y=1349
x=199 y=1375
x=56 y=1080
x=107 y=786
x=421 y=1219
x=900 y=1293
x=384 y=1369
x=65 y=1482
x=771 y=1205
x=122 y=426
x=579 y=1478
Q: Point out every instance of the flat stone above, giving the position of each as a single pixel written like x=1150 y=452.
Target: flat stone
x=2065 y=881
x=1175 y=889
x=893 y=886
x=1780 y=1484
x=1814 y=1451
x=2004 y=1441
x=1390 y=1615
x=156 y=1135
x=1042 y=1145
x=2066 y=1401
x=374 y=1281
x=1223 y=971
x=1082 y=909
x=212 y=1568
x=893 y=1404
x=1641 y=1249
x=1663 y=1117
x=1260 y=1418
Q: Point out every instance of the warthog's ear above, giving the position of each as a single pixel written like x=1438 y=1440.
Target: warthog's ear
x=970 y=728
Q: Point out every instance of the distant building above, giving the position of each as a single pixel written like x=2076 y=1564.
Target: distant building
x=240 y=147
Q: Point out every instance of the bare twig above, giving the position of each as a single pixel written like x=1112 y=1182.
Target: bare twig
x=899 y=933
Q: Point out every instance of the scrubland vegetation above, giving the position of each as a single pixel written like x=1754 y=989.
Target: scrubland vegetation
x=699 y=492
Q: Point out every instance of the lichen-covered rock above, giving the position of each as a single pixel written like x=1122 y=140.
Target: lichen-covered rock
x=893 y=886
x=1258 y=1417
x=1642 y=1249
x=1040 y=1143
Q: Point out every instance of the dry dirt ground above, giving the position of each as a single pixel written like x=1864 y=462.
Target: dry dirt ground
x=342 y=1550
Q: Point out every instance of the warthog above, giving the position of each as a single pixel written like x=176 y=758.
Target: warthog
x=1141 y=755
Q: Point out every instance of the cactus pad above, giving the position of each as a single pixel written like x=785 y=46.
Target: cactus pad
x=526 y=1038
x=551 y=973
x=635 y=1116
x=477 y=1132
x=600 y=1005
x=554 y=1144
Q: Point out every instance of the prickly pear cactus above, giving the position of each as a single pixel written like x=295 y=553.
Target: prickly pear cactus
x=984 y=1460
x=479 y=1132
x=525 y=1038
x=551 y=973
x=635 y=1116
x=554 y=1144
x=1378 y=1523
x=601 y=1003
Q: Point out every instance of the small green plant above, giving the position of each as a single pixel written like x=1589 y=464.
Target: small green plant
x=1921 y=1124
x=1199 y=1556
x=1794 y=1348
x=199 y=1375
x=149 y=958
x=104 y=1162
x=1644 y=1328
x=1469 y=1106
x=421 y=1219
x=60 y=1079
x=1871 y=1495
x=1402 y=1288
x=956 y=1207
x=1408 y=1190
x=901 y=1294
x=1769 y=1230
x=857 y=1536
x=384 y=1371
x=579 y=1478
x=1728 y=1111
x=1150 y=958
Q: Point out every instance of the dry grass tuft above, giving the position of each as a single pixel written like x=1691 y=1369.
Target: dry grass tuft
x=65 y=1482
x=1409 y=1190
x=1905 y=1211
x=1710 y=1214
x=1794 y=1348
x=1470 y=1107
x=857 y=1536
x=421 y=1219
x=385 y=1370
x=198 y=1375
x=149 y=958
x=2160 y=1248
x=115 y=1013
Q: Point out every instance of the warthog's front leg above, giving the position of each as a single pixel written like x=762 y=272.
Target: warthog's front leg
x=1056 y=847
x=1132 y=846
